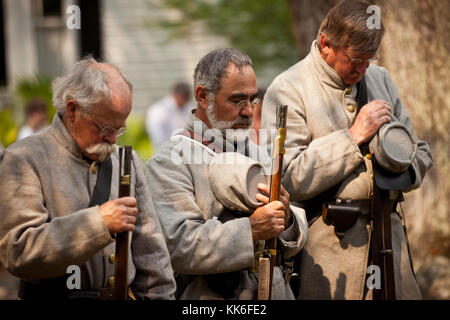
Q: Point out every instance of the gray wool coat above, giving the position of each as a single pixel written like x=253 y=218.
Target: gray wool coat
x=46 y=225
x=202 y=236
x=320 y=152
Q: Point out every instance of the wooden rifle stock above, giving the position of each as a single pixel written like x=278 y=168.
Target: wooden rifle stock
x=122 y=239
x=270 y=250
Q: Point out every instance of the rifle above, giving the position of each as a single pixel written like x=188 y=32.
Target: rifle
x=122 y=239
x=269 y=255
x=382 y=251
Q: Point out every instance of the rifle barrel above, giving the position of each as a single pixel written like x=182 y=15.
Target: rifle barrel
x=122 y=239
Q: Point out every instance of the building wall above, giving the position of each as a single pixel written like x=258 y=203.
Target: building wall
x=143 y=53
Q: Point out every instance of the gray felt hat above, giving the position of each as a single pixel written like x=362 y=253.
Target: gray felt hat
x=234 y=180
x=394 y=147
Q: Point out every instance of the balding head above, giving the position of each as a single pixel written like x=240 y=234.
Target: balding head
x=90 y=84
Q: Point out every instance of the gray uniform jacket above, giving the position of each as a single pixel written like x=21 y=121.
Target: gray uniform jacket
x=46 y=187
x=320 y=152
x=201 y=240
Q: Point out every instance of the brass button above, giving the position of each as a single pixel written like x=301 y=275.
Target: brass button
x=111 y=281
x=351 y=108
x=232 y=208
x=371 y=176
x=371 y=195
x=94 y=170
x=348 y=90
x=112 y=258
x=369 y=156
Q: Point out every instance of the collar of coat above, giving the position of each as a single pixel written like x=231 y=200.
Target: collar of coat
x=59 y=131
x=325 y=73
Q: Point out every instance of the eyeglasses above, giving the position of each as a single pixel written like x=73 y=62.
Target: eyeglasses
x=244 y=102
x=360 y=61
x=105 y=131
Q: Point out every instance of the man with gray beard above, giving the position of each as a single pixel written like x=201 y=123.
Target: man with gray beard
x=59 y=207
x=212 y=200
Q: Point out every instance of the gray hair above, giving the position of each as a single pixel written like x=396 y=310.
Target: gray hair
x=86 y=85
x=213 y=67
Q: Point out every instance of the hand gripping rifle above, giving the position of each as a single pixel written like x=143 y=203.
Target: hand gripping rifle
x=122 y=239
x=269 y=256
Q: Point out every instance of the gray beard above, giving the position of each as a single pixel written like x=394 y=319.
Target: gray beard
x=211 y=112
x=102 y=150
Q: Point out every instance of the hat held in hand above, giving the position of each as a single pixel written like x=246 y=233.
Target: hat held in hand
x=234 y=180
x=394 y=147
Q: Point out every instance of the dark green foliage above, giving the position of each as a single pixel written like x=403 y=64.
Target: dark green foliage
x=262 y=29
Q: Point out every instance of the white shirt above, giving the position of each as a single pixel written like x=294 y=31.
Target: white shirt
x=163 y=118
x=24 y=132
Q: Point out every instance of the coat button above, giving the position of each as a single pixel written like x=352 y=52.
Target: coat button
x=232 y=208
x=94 y=170
x=369 y=156
x=112 y=258
x=371 y=195
x=348 y=90
x=111 y=281
x=351 y=108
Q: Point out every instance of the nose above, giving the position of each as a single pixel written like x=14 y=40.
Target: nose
x=110 y=138
x=247 y=110
x=361 y=69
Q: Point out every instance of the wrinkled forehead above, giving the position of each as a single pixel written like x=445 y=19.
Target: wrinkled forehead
x=241 y=79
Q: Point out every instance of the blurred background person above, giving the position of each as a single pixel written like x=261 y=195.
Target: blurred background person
x=36 y=118
x=168 y=114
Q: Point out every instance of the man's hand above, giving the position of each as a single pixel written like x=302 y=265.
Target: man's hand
x=272 y=218
x=267 y=221
x=284 y=199
x=120 y=214
x=369 y=120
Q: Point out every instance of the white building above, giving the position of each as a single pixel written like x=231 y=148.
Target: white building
x=35 y=40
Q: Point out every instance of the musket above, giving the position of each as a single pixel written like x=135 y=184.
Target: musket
x=269 y=257
x=122 y=239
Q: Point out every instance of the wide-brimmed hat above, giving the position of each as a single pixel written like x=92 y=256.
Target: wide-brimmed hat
x=234 y=180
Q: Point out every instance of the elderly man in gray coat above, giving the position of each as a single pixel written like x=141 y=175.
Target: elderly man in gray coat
x=49 y=225
x=205 y=190
x=329 y=147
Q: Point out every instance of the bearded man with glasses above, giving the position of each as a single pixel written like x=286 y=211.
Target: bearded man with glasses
x=210 y=190
x=347 y=128
x=59 y=202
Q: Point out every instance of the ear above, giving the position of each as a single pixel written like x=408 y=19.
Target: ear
x=71 y=109
x=324 y=44
x=201 y=95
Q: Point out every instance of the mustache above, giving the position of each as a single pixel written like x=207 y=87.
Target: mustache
x=247 y=121
x=102 y=150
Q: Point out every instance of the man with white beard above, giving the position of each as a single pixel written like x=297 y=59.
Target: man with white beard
x=214 y=213
x=58 y=200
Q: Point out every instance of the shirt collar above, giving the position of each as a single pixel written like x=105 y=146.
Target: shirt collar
x=199 y=127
